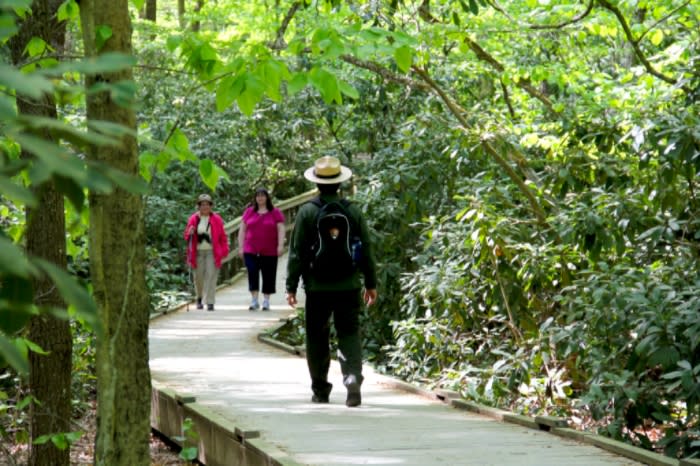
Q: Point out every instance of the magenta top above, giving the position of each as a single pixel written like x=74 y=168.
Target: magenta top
x=261 y=231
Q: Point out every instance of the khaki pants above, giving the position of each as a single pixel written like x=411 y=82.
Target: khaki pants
x=205 y=276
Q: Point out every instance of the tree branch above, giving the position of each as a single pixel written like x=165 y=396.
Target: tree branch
x=635 y=45
x=279 y=42
x=506 y=97
x=573 y=20
x=384 y=73
x=488 y=148
x=671 y=13
x=524 y=84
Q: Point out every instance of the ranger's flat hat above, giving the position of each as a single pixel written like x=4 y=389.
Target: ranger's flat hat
x=328 y=170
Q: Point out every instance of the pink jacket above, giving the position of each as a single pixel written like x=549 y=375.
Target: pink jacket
x=219 y=239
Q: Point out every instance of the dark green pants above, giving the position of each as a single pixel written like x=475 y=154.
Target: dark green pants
x=345 y=307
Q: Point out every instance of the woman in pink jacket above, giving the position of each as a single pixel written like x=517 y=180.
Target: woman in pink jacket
x=207 y=246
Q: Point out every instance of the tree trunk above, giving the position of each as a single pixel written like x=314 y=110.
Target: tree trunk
x=181 y=12
x=117 y=265
x=151 y=6
x=50 y=374
x=196 y=24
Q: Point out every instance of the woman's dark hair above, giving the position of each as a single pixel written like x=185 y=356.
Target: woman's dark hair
x=268 y=202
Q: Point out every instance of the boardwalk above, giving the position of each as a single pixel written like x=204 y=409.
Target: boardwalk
x=216 y=357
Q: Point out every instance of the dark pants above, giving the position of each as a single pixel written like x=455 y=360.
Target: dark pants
x=267 y=265
x=344 y=306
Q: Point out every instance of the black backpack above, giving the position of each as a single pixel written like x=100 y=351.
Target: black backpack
x=336 y=250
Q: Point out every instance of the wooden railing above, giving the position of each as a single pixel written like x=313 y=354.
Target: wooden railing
x=233 y=264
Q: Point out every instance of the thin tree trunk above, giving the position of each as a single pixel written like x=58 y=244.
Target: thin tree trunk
x=196 y=24
x=181 y=12
x=117 y=265
x=151 y=7
x=49 y=374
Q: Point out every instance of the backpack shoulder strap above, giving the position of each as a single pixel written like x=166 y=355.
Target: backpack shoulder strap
x=317 y=202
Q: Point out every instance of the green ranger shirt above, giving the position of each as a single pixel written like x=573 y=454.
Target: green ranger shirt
x=302 y=237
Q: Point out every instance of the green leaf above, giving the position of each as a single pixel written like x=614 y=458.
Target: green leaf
x=7 y=108
x=228 y=90
x=327 y=84
x=13 y=261
x=404 y=57
x=348 y=90
x=208 y=174
x=16 y=192
x=72 y=190
x=10 y=354
x=164 y=158
x=123 y=93
x=474 y=7
x=27 y=400
x=97 y=181
x=71 y=291
x=251 y=94
x=208 y=53
x=68 y=11
x=16 y=5
x=666 y=356
x=113 y=131
x=59 y=440
x=14 y=316
x=53 y=158
x=147 y=162
x=66 y=131
x=180 y=145
x=103 y=63
x=73 y=437
x=102 y=35
x=189 y=453
x=35 y=47
x=656 y=37
x=297 y=83
x=33 y=347
x=173 y=42
x=271 y=75
x=138 y=3
x=31 y=85
x=128 y=181
x=42 y=439
x=16 y=291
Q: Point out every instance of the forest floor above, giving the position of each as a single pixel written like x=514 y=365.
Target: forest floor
x=83 y=451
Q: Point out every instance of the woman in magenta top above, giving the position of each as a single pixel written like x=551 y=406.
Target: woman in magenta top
x=207 y=246
x=260 y=243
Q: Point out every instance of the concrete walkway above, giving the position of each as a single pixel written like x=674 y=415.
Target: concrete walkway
x=216 y=357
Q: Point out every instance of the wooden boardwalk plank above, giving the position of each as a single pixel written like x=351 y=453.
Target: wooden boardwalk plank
x=264 y=394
